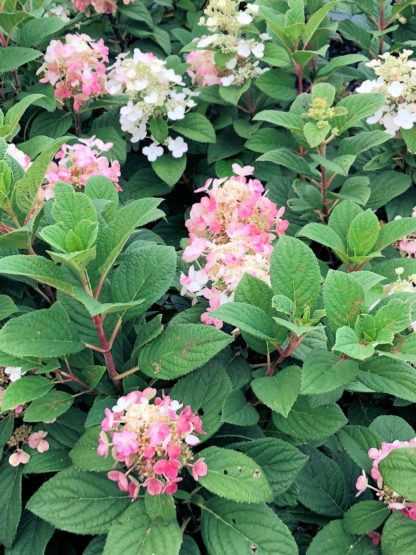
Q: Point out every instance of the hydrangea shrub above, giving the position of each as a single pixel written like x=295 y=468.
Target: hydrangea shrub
x=208 y=277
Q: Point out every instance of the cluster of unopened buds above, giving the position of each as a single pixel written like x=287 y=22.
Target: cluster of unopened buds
x=397 y=81
x=154 y=92
x=22 y=435
x=100 y=6
x=228 y=26
x=78 y=162
x=394 y=501
x=76 y=68
x=151 y=441
x=230 y=233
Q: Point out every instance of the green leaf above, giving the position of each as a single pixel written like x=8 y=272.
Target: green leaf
x=234 y=476
x=294 y=272
x=347 y=342
x=147 y=275
x=229 y=527
x=24 y=390
x=395 y=230
x=205 y=391
x=341 y=61
x=315 y=135
x=283 y=119
x=398 y=470
x=36 y=267
x=325 y=236
x=343 y=299
x=391 y=427
x=323 y=372
x=277 y=85
x=84 y=454
x=10 y=501
x=13 y=57
x=394 y=316
x=236 y=410
x=113 y=237
x=357 y=441
x=324 y=91
x=41 y=333
x=280 y=461
x=279 y=392
x=393 y=377
x=26 y=189
x=248 y=318
x=285 y=157
x=197 y=127
x=160 y=506
x=359 y=106
x=66 y=498
x=134 y=533
x=7 y=306
x=365 y=517
x=180 y=349
x=333 y=539
x=50 y=406
x=232 y=93
x=363 y=141
x=315 y=20
x=94 y=307
x=363 y=233
x=159 y=129
x=399 y=535
x=70 y=208
x=38 y=30
x=13 y=115
x=32 y=536
x=387 y=185
x=322 y=485
x=52 y=124
x=99 y=187
x=308 y=423
x=169 y=169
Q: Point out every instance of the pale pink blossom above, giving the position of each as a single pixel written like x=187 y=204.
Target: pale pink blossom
x=150 y=442
x=199 y=468
x=76 y=68
x=37 y=441
x=78 y=162
x=361 y=484
x=19 y=457
x=231 y=231
x=202 y=69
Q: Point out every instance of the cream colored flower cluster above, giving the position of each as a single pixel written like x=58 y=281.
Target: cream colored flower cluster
x=228 y=26
x=154 y=91
x=397 y=81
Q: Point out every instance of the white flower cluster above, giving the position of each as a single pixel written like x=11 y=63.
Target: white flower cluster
x=58 y=10
x=229 y=27
x=154 y=91
x=397 y=81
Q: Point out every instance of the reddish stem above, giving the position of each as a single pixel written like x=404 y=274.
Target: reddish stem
x=381 y=28
x=16 y=78
x=98 y=323
x=289 y=350
x=298 y=70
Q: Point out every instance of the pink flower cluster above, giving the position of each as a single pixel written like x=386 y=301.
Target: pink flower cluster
x=100 y=6
x=76 y=68
x=202 y=69
x=383 y=492
x=407 y=245
x=36 y=440
x=78 y=162
x=230 y=233
x=151 y=440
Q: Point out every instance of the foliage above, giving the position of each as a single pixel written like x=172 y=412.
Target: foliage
x=161 y=324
